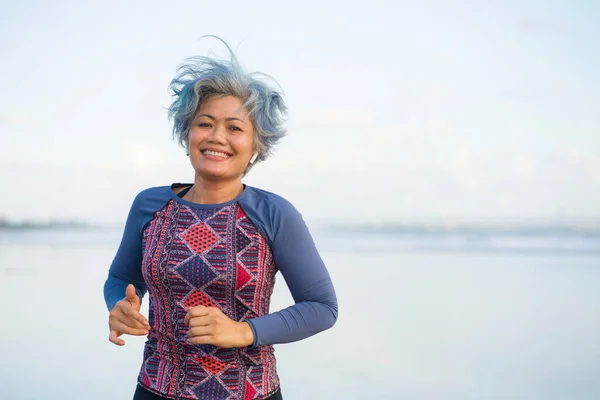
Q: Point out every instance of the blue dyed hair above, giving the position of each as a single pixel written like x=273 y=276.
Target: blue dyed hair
x=200 y=78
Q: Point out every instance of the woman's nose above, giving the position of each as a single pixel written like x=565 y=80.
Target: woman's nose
x=218 y=134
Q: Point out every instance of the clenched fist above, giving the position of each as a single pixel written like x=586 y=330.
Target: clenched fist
x=208 y=325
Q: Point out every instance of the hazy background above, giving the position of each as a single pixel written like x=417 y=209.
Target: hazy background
x=418 y=116
x=403 y=110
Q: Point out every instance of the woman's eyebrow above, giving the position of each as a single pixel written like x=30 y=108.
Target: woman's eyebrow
x=226 y=119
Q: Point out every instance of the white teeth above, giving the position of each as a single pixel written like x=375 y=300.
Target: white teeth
x=216 y=153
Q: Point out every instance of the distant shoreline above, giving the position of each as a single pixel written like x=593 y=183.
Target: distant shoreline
x=589 y=228
x=525 y=229
x=50 y=225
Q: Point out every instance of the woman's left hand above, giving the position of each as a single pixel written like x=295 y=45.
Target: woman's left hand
x=208 y=325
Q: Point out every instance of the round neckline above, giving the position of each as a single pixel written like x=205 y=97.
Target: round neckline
x=185 y=186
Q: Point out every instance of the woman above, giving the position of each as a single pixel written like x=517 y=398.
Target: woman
x=208 y=252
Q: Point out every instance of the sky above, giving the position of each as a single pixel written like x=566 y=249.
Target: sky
x=400 y=111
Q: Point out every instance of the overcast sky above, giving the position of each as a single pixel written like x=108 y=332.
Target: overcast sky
x=399 y=110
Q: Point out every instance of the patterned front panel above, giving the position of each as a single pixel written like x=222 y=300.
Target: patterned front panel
x=216 y=258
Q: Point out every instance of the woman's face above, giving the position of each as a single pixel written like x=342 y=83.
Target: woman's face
x=221 y=139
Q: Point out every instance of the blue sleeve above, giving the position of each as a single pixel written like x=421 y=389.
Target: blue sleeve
x=307 y=278
x=126 y=267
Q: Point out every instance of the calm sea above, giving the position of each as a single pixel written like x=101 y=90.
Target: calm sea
x=422 y=316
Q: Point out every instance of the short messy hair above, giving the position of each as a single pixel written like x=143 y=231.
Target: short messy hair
x=200 y=78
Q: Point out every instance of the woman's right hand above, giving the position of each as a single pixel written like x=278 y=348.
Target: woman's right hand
x=125 y=317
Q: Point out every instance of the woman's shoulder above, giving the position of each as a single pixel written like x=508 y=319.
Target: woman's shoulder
x=273 y=201
x=272 y=211
x=273 y=214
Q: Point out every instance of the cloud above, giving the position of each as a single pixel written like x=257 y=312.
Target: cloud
x=143 y=157
x=582 y=160
x=330 y=121
x=10 y=121
x=539 y=26
x=421 y=170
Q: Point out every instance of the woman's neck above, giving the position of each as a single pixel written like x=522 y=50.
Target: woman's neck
x=214 y=192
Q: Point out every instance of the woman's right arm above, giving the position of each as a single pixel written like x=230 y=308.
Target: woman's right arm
x=126 y=267
x=125 y=286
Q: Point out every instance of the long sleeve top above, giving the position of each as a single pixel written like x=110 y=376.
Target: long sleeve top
x=227 y=256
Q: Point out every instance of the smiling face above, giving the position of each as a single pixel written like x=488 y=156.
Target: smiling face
x=221 y=139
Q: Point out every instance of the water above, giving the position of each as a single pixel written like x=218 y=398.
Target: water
x=421 y=317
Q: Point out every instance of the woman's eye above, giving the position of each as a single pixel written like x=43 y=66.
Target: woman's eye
x=204 y=125
x=235 y=128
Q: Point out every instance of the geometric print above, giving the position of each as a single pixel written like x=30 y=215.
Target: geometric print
x=215 y=258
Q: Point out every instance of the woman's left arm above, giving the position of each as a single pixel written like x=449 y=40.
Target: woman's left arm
x=296 y=256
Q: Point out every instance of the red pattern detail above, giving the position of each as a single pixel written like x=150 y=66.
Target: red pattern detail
x=146 y=380
x=240 y=213
x=200 y=237
x=212 y=365
x=250 y=391
x=242 y=277
x=197 y=298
